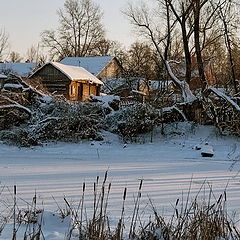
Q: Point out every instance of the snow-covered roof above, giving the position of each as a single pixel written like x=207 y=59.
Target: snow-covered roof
x=3 y=76
x=93 y=64
x=21 y=69
x=74 y=73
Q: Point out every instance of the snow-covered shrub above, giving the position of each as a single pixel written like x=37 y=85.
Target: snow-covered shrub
x=133 y=120
x=19 y=136
x=71 y=122
x=57 y=121
x=109 y=102
x=11 y=118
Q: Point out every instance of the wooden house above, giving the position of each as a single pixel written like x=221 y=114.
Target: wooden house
x=74 y=83
x=103 y=67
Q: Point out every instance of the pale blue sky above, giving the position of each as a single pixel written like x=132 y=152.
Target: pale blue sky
x=24 y=20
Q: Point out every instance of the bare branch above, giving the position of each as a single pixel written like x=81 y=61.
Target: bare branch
x=4 y=42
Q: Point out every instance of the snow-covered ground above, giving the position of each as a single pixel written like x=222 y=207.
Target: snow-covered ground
x=166 y=165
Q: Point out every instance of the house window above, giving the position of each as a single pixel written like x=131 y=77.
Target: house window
x=73 y=90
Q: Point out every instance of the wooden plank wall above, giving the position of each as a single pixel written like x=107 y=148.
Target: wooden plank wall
x=54 y=80
x=112 y=70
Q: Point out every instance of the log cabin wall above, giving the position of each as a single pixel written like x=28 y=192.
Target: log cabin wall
x=93 y=90
x=86 y=91
x=54 y=80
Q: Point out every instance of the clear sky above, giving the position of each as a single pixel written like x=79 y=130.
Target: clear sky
x=24 y=20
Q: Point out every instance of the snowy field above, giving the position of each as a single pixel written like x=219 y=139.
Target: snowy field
x=166 y=166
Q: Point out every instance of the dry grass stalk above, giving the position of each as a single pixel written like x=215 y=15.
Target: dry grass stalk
x=194 y=218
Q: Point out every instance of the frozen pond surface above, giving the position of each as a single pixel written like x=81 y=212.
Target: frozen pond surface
x=166 y=165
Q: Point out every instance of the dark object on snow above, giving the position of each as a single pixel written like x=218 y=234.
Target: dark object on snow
x=207 y=151
x=198 y=147
x=205 y=154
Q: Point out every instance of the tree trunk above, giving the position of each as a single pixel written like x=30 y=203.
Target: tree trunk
x=197 y=9
x=186 y=52
x=229 y=48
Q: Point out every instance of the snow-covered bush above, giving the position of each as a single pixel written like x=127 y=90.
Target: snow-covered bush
x=20 y=136
x=57 y=121
x=133 y=120
x=12 y=118
x=71 y=122
x=109 y=102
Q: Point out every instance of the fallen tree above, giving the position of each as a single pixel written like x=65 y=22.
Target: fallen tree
x=17 y=97
x=11 y=104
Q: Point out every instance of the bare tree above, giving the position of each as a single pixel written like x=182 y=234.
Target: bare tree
x=228 y=16
x=199 y=27
x=105 y=47
x=32 y=54
x=141 y=61
x=15 y=57
x=35 y=54
x=207 y=29
x=182 y=11
x=80 y=28
x=197 y=7
x=140 y=18
x=4 y=43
